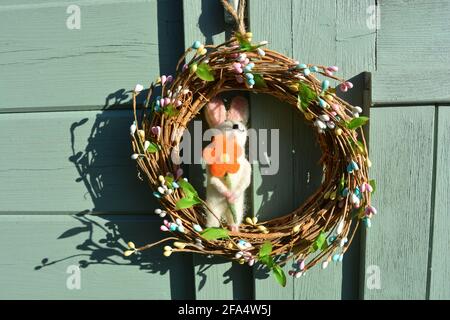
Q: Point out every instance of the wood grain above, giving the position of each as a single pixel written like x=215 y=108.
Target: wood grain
x=39 y=249
x=67 y=162
x=440 y=261
x=47 y=66
x=401 y=149
x=412 y=52
x=272 y=194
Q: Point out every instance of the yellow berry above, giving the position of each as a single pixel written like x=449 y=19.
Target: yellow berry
x=128 y=253
x=167 y=253
x=179 y=245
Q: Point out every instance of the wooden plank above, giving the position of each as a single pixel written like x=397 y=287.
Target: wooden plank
x=334 y=33
x=440 y=261
x=401 y=149
x=272 y=194
x=67 y=162
x=45 y=65
x=329 y=33
x=204 y=21
x=38 y=252
x=413 y=36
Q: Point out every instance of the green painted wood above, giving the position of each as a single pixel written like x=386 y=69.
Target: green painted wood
x=440 y=261
x=401 y=149
x=204 y=21
x=333 y=33
x=412 y=34
x=66 y=162
x=45 y=65
x=272 y=194
x=37 y=251
x=329 y=33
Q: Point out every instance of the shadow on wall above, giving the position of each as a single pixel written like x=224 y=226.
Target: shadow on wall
x=112 y=183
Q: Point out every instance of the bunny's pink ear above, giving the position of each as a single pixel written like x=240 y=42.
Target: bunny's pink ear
x=238 y=110
x=215 y=112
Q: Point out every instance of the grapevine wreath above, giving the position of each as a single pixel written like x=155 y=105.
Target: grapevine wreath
x=322 y=228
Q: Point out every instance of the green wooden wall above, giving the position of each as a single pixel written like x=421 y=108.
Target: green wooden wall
x=70 y=195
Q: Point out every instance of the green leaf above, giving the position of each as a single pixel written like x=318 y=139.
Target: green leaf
x=265 y=249
x=244 y=44
x=342 y=183
x=259 y=81
x=185 y=203
x=279 y=275
x=358 y=145
x=361 y=147
x=171 y=111
x=319 y=243
x=373 y=184
x=305 y=95
x=169 y=179
x=188 y=189
x=205 y=72
x=357 y=122
x=214 y=233
x=267 y=260
x=153 y=147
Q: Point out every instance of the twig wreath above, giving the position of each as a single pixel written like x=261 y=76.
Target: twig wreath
x=323 y=227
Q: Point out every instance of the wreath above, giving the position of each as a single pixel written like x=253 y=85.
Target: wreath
x=323 y=227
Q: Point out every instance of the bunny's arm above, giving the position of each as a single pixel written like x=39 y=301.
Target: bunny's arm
x=218 y=184
x=245 y=180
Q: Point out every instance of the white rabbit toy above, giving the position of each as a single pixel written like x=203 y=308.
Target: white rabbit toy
x=228 y=171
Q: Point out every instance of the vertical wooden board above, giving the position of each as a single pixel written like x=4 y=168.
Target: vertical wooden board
x=412 y=33
x=355 y=37
x=314 y=31
x=334 y=33
x=440 y=261
x=82 y=158
x=45 y=64
x=397 y=245
x=39 y=252
x=204 y=21
x=272 y=194
x=339 y=281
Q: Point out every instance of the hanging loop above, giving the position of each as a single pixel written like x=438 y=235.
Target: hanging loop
x=235 y=10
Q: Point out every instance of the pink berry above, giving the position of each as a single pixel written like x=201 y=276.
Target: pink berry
x=349 y=84
x=343 y=87
x=164 y=228
x=163 y=79
x=363 y=187
x=169 y=79
x=333 y=68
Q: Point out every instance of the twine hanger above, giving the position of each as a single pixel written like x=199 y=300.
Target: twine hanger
x=237 y=12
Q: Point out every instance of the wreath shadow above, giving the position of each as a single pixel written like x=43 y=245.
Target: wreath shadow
x=105 y=229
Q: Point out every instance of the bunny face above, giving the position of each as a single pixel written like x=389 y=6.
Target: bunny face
x=231 y=122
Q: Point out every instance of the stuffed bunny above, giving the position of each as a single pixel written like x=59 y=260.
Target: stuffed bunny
x=228 y=171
